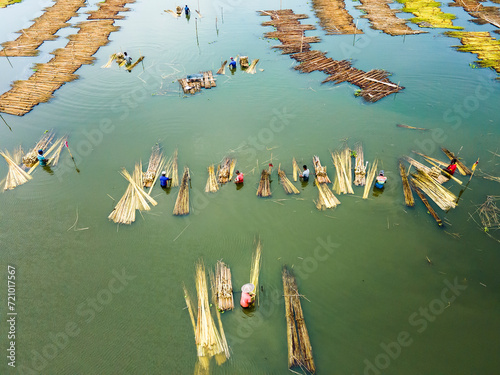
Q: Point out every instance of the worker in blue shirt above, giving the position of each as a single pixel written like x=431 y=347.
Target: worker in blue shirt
x=232 y=64
x=164 y=179
x=41 y=159
x=186 y=10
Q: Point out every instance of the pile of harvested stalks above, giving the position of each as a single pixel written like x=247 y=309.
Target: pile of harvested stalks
x=434 y=172
x=299 y=345
x=155 y=166
x=31 y=157
x=16 y=175
x=212 y=186
x=255 y=267
x=410 y=202
x=223 y=287
x=342 y=162
x=326 y=198
x=225 y=170
x=171 y=167
x=182 y=202
x=286 y=183
x=222 y=69
x=435 y=191
x=296 y=169
x=360 y=166
x=369 y=178
x=264 y=189
x=251 y=69
x=134 y=198
x=320 y=171
x=462 y=168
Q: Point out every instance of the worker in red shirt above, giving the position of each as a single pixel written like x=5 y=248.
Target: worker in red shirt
x=239 y=178
x=247 y=295
x=452 y=167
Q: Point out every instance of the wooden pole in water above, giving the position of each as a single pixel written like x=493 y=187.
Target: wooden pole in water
x=4 y=51
x=354 y=40
x=196 y=25
x=6 y=123
x=222 y=13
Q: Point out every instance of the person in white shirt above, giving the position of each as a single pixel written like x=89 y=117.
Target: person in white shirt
x=305 y=175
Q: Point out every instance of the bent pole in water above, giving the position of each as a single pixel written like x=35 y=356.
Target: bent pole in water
x=6 y=123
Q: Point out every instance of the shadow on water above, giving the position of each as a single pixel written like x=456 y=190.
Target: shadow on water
x=377 y=191
x=239 y=186
x=47 y=169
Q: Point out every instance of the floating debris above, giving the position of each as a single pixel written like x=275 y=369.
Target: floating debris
x=410 y=127
x=489 y=213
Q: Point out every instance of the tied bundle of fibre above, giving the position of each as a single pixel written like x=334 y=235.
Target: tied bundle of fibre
x=156 y=163
x=225 y=170
x=264 y=189
x=286 y=183
x=16 y=175
x=31 y=157
x=320 y=171
x=182 y=202
x=212 y=186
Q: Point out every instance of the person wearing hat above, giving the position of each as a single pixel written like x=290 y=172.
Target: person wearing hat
x=41 y=159
x=247 y=295
x=381 y=180
x=239 y=178
x=232 y=64
x=164 y=179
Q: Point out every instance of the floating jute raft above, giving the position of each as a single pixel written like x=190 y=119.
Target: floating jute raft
x=212 y=185
x=182 y=202
x=482 y=14
x=427 y=204
x=155 y=166
x=195 y=82
x=6 y=3
x=374 y=84
x=320 y=171
x=50 y=76
x=326 y=198
x=225 y=170
x=382 y=17
x=172 y=169
x=359 y=166
x=480 y=43
x=433 y=172
x=410 y=202
x=462 y=168
x=264 y=189
x=210 y=341
x=134 y=198
x=43 y=28
x=343 y=176
x=334 y=18
x=434 y=190
x=299 y=345
x=286 y=183
x=16 y=175
x=255 y=267
x=223 y=287
x=370 y=176
x=428 y=14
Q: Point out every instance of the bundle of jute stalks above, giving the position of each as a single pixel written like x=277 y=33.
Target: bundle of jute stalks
x=359 y=166
x=320 y=171
x=434 y=190
x=342 y=162
x=225 y=170
x=326 y=198
x=155 y=166
x=286 y=183
x=16 y=175
x=182 y=202
x=31 y=157
x=212 y=185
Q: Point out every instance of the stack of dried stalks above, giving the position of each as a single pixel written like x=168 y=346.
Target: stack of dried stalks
x=462 y=168
x=369 y=178
x=171 y=167
x=342 y=162
x=251 y=69
x=222 y=69
x=296 y=169
x=360 y=166
x=326 y=197
x=56 y=148
x=435 y=172
x=182 y=202
x=31 y=157
x=223 y=287
x=156 y=163
x=264 y=189
x=134 y=198
x=299 y=345
x=287 y=184
x=435 y=191
x=16 y=175
x=320 y=171
x=225 y=170
x=410 y=202
x=255 y=267
x=212 y=186
x=427 y=204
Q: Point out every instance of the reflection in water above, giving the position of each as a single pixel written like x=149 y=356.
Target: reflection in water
x=377 y=191
x=47 y=169
x=239 y=186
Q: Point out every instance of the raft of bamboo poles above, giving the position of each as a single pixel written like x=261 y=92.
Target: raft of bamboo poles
x=434 y=190
x=31 y=157
x=194 y=85
x=326 y=198
x=372 y=171
x=43 y=28
x=225 y=170
x=343 y=175
x=299 y=345
x=134 y=198
x=223 y=287
x=264 y=189
x=428 y=14
x=16 y=175
x=320 y=171
x=212 y=185
x=171 y=167
x=155 y=166
x=50 y=76
x=109 y=9
x=182 y=202
x=482 y=14
x=286 y=183
x=334 y=18
x=410 y=202
x=383 y=17
x=296 y=169
x=359 y=166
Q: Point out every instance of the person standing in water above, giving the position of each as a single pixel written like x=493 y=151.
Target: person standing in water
x=239 y=178
x=186 y=10
x=232 y=64
x=452 y=167
x=247 y=295
x=41 y=159
x=304 y=175
x=380 y=180
x=164 y=179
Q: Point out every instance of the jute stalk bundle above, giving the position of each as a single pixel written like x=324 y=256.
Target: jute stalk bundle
x=427 y=204
x=222 y=69
x=320 y=171
x=212 y=186
x=286 y=183
x=155 y=166
x=360 y=166
x=326 y=198
x=225 y=170
x=299 y=345
x=435 y=191
x=410 y=202
x=223 y=287
x=182 y=202
x=16 y=175
x=462 y=168
x=255 y=267
x=296 y=169
x=54 y=157
x=369 y=178
x=435 y=173
x=251 y=69
x=172 y=169
x=264 y=189
x=220 y=358
x=31 y=158
x=343 y=171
